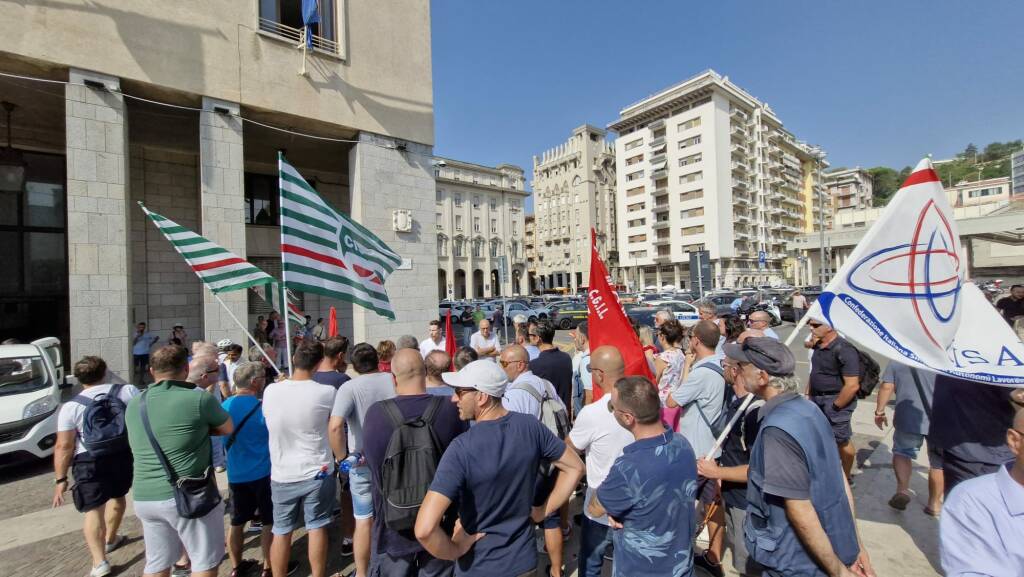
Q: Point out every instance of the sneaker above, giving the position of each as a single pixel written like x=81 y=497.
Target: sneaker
x=346 y=547
x=101 y=570
x=254 y=527
x=219 y=468
x=712 y=568
x=119 y=541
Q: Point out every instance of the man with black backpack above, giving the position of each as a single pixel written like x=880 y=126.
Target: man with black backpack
x=834 y=384
x=404 y=438
x=93 y=442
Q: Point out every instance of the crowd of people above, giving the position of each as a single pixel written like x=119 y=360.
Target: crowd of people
x=435 y=465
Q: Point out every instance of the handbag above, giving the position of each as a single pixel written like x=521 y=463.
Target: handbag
x=194 y=497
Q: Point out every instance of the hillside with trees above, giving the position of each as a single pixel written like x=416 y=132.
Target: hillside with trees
x=970 y=165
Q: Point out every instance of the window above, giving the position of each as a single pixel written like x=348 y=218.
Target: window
x=261 y=199
x=458 y=222
x=440 y=220
x=634 y=160
x=633 y=144
x=494 y=204
x=687 y=142
x=458 y=201
x=478 y=247
x=459 y=246
x=664 y=251
x=635 y=191
x=634 y=176
x=692 y=213
x=442 y=246
x=476 y=224
x=692 y=159
x=638 y=238
x=636 y=207
x=439 y=196
x=495 y=249
x=515 y=228
x=494 y=226
x=692 y=230
x=692 y=195
x=691 y=123
x=284 y=18
x=691 y=177
x=476 y=202
x=985 y=192
x=637 y=222
x=638 y=254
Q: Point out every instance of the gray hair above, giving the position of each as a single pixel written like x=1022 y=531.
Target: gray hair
x=202 y=348
x=707 y=307
x=407 y=342
x=197 y=368
x=245 y=373
x=785 y=384
x=646 y=335
x=664 y=315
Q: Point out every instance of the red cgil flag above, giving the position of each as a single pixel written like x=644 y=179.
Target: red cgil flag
x=607 y=320
x=450 y=344
x=332 y=323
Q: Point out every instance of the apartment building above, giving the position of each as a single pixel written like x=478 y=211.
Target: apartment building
x=848 y=189
x=1017 y=174
x=481 y=229
x=183 y=106
x=979 y=192
x=530 y=241
x=574 y=192
x=705 y=165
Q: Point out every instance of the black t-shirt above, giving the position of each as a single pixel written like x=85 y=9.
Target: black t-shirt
x=786 y=474
x=969 y=420
x=830 y=364
x=1010 y=308
x=377 y=430
x=555 y=366
x=333 y=378
x=736 y=451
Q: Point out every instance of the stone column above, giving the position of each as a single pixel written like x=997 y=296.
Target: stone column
x=97 y=210
x=384 y=179
x=221 y=208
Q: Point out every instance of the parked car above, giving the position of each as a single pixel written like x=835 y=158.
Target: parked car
x=531 y=313
x=642 y=314
x=684 y=312
x=786 y=311
x=570 y=315
x=722 y=302
x=31 y=379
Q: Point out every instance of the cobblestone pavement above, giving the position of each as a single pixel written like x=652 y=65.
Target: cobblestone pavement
x=36 y=540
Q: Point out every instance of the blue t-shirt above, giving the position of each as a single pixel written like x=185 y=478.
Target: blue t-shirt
x=249 y=457
x=651 y=489
x=491 y=471
x=333 y=378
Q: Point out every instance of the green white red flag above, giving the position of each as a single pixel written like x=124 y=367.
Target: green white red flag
x=271 y=293
x=220 y=269
x=325 y=252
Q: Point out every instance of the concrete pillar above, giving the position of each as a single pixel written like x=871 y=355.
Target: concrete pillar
x=221 y=208
x=657 y=276
x=675 y=277
x=98 y=221
x=384 y=179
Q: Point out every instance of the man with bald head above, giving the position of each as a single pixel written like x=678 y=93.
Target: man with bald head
x=762 y=321
x=398 y=552
x=515 y=361
x=438 y=363
x=485 y=342
x=607 y=367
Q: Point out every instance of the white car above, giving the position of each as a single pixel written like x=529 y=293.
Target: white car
x=31 y=378
x=685 y=313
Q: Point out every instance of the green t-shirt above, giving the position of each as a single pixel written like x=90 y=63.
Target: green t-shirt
x=181 y=417
x=478 y=315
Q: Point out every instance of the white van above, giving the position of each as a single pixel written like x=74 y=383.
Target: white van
x=31 y=379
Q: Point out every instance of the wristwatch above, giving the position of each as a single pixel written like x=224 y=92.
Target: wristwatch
x=63 y=479
x=881 y=414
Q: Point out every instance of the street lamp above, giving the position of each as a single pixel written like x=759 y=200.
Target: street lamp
x=819 y=157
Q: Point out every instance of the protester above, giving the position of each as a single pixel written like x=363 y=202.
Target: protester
x=982 y=526
x=385 y=350
x=468 y=325
x=582 y=383
x=799 y=306
x=226 y=380
x=914 y=391
x=279 y=338
x=397 y=553
x=302 y=486
x=552 y=364
x=597 y=434
x=464 y=356
x=201 y=372
x=350 y=406
x=319 y=331
x=800 y=516
x=1012 y=307
x=262 y=332
x=181 y=422
x=761 y=320
x=491 y=471
x=248 y=457
x=701 y=391
x=435 y=341
x=731 y=327
x=484 y=342
x=668 y=367
x=652 y=526
x=525 y=394
x=523 y=339
x=833 y=386
x=661 y=317
x=437 y=363
x=142 y=342
x=407 y=342
x=331 y=370
x=264 y=359
x=967 y=429
x=102 y=471
x=707 y=312
x=178 y=332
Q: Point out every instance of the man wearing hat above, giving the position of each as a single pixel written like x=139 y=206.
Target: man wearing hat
x=800 y=516
x=491 y=471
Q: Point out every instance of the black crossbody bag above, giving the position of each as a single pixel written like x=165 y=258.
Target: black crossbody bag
x=194 y=497
x=234 y=434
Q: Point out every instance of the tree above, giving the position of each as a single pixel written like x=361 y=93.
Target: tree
x=884 y=183
x=970 y=152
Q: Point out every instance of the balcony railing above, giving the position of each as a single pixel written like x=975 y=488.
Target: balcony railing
x=295 y=35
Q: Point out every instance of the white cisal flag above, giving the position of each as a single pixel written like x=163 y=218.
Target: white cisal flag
x=903 y=293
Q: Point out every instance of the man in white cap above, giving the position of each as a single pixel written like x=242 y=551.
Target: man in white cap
x=490 y=471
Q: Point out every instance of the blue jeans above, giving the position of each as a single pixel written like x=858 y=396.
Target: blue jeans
x=594 y=540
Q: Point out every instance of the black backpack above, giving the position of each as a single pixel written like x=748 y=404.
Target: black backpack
x=409 y=463
x=869 y=374
x=719 y=424
x=103 y=429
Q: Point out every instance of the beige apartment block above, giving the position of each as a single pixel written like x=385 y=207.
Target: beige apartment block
x=704 y=165
x=848 y=189
x=574 y=192
x=184 y=106
x=990 y=191
x=481 y=229
x=530 y=242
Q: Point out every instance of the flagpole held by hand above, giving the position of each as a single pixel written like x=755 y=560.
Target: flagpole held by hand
x=259 y=345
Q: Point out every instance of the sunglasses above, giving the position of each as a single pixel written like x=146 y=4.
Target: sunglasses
x=814 y=325
x=507 y=363
x=461 y=391
x=612 y=409
x=532 y=335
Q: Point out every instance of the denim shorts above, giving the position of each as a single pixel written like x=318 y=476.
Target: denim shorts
x=908 y=444
x=362 y=494
x=311 y=501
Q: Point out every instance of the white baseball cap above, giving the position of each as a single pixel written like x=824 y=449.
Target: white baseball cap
x=482 y=375
x=519 y=319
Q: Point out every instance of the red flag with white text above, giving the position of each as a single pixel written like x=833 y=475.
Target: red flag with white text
x=607 y=321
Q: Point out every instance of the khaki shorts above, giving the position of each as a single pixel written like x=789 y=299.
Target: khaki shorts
x=165 y=532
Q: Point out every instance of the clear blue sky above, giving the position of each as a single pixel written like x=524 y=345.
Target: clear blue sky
x=875 y=83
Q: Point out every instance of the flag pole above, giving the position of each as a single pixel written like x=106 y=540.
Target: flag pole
x=258 y=344
x=750 y=397
x=284 y=281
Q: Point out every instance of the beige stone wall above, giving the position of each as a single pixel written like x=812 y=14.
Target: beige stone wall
x=383 y=84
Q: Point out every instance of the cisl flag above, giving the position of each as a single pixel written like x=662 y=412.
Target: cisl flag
x=607 y=321
x=903 y=293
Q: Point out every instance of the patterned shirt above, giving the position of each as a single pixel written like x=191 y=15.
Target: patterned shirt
x=651 y=490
